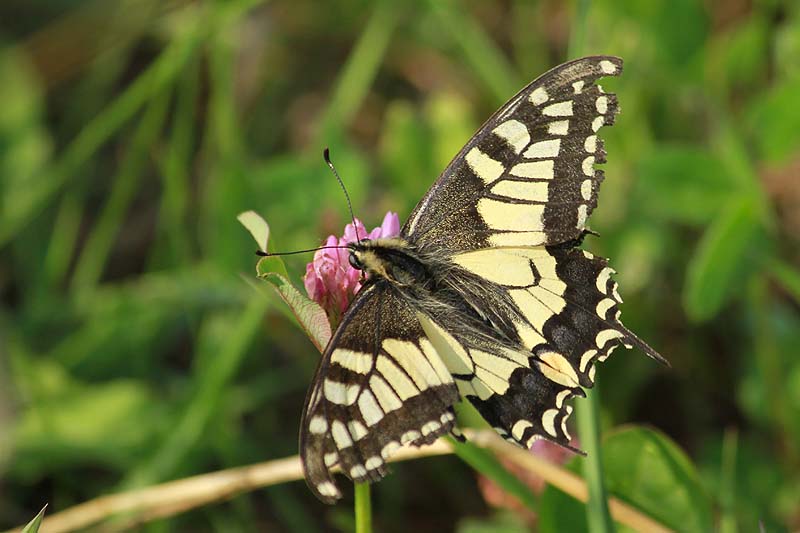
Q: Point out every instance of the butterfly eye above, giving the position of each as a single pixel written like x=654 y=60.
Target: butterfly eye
x=355 y=262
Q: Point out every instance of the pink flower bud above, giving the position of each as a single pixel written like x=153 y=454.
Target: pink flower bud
x=330 y=280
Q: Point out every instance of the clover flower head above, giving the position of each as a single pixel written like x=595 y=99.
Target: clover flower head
x=330 y=280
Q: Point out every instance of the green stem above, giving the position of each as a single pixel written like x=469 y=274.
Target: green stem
x=363 y=506
x=597 y=514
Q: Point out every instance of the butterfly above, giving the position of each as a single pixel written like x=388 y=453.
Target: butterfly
x=485 y=294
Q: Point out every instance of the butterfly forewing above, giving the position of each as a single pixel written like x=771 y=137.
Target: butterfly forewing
x=380 y=386
x=527 y=177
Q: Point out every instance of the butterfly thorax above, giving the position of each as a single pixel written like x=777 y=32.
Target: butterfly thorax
x=437 y=286
x=393 y=259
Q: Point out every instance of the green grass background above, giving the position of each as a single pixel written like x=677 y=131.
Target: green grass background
x=133 y=350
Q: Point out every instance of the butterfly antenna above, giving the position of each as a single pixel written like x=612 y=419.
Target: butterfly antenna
x=270 y=254
x=327 y=155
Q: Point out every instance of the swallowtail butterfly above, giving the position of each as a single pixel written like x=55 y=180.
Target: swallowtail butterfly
x=484 y=295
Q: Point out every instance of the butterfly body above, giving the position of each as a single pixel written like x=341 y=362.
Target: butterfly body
x=393 y=259
x=485 y=295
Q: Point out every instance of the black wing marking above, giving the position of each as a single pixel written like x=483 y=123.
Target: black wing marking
x=527 y=177
x=380 y=385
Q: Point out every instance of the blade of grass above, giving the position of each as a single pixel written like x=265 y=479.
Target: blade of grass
x=786 y=276
x=95 y=253
x=224 y=122
x=577 y=36
x=483 y=55
x=360 y=70
x=714 y=271
x=63 y=239
x=102 y=76
x=34 y=525
x=176 y=164
x=770 y=363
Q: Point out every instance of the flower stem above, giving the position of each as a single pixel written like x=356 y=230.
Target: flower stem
x=597 y=514
x=363 y=509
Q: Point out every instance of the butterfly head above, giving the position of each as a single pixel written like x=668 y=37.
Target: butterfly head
x=356 y=258
x=366 y=255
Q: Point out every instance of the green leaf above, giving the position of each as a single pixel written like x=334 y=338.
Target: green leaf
x=644 y=469
x=680 y=28
x=257 y=226
x=669 y=34
x=33 y=525
x=309 y=314
x=647 y=470
x=773 y=120
x=747 y=51
x=684 y=183
x=720 y=258
x=787 y=46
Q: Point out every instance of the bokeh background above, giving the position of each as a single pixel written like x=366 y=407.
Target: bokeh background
x=135 y=349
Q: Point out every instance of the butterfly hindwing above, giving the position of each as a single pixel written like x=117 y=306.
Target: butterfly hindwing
x=564 y=309
x=505 y=385
x=527 y=177
x=379 y=386
x=551 y=314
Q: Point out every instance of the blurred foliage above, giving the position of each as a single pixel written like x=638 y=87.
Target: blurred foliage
x=132 y=350
x=645 y=469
